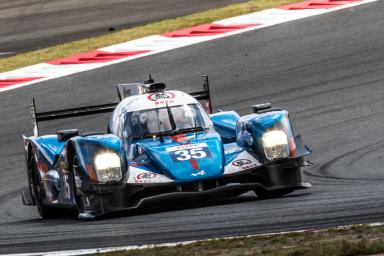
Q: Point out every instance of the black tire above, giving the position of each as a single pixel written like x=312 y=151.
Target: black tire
x=30 y=181
x=45 y=212
x=77 y=195
x=273 y=194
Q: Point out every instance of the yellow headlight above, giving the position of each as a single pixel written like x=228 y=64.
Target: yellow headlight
x=108 y=167
x=275 y=144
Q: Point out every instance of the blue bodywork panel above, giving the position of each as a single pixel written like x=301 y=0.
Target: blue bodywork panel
x=225 y=124
x=50 y=146
x=231 y=151
x=197 y=156
x=262 y=122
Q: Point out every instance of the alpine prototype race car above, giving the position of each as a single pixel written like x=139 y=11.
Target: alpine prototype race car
x=160 y=144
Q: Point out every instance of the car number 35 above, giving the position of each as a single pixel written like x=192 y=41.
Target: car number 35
x=187 y=154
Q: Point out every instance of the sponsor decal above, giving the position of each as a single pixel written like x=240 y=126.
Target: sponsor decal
x=187 y=146
x=162 y=98
x=265 y=115
x=233 y=150
x=189 y=152
x=146 y=176
x=244 y=163
x=241 y=162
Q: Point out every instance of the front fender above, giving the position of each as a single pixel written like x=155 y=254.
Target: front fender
x=251 y=128
x=87 y=148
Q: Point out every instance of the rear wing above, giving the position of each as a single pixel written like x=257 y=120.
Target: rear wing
x=123 y=91
x=204 y=96
x=66 y=113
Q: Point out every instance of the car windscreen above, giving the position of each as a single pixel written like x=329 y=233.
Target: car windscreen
x=150 y=122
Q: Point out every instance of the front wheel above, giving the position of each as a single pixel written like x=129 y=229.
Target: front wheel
x=39 y=194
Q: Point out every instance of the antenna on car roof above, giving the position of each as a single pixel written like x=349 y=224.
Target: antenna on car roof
x=150 y=80
x=150 y=85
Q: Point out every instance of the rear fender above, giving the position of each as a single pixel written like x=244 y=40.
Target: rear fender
x=27 y=194
x=35 y=152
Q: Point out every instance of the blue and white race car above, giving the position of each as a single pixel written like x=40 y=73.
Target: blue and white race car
x=160 y=144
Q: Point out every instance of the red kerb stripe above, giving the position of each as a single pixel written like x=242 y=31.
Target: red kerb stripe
x=207 y=30
x=317 y=4
x=95 y=57
x=12 y=81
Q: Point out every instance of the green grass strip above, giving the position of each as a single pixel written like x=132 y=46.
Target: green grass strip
x=89 y=44
x=353 y=241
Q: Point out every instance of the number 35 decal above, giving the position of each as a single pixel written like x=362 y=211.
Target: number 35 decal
x=188 y=152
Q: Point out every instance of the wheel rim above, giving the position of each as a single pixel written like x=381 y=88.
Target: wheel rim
x=78 y=199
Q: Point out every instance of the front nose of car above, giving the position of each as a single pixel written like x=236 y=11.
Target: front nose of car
x=201 y=157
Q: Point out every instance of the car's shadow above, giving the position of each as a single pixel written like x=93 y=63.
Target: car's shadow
x=70 y=217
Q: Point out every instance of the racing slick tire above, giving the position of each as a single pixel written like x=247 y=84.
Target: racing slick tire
x=45 y=212
x=30 y=181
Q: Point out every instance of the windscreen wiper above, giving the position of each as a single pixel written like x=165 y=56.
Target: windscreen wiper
x=171 y=119
x=191 y=129
x=177 y=131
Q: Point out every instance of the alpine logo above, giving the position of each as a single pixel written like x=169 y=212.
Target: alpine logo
x=200 y=173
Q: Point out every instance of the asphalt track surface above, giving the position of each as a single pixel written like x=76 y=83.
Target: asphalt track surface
x=32 y=24
x=326 y=70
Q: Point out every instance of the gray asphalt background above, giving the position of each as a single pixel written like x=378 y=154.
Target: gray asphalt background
x=326 y=70
x=31 y=24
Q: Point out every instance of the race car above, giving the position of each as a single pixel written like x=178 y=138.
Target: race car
x=160 y=145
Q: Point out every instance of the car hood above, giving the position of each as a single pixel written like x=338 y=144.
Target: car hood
x=187 y=157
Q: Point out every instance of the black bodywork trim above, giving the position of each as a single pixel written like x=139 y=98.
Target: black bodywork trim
x=74 y=112
x=102 y=199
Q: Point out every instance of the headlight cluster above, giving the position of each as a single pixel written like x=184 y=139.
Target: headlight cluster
x=108 y=167
x=275 y=144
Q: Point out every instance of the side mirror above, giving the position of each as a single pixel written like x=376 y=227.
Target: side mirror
x=259 y=107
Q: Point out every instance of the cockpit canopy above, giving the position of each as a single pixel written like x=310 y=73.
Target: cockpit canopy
x=158 y=114
x=164 y=121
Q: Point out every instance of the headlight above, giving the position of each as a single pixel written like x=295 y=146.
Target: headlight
x=108 y=167
x=275 y=144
